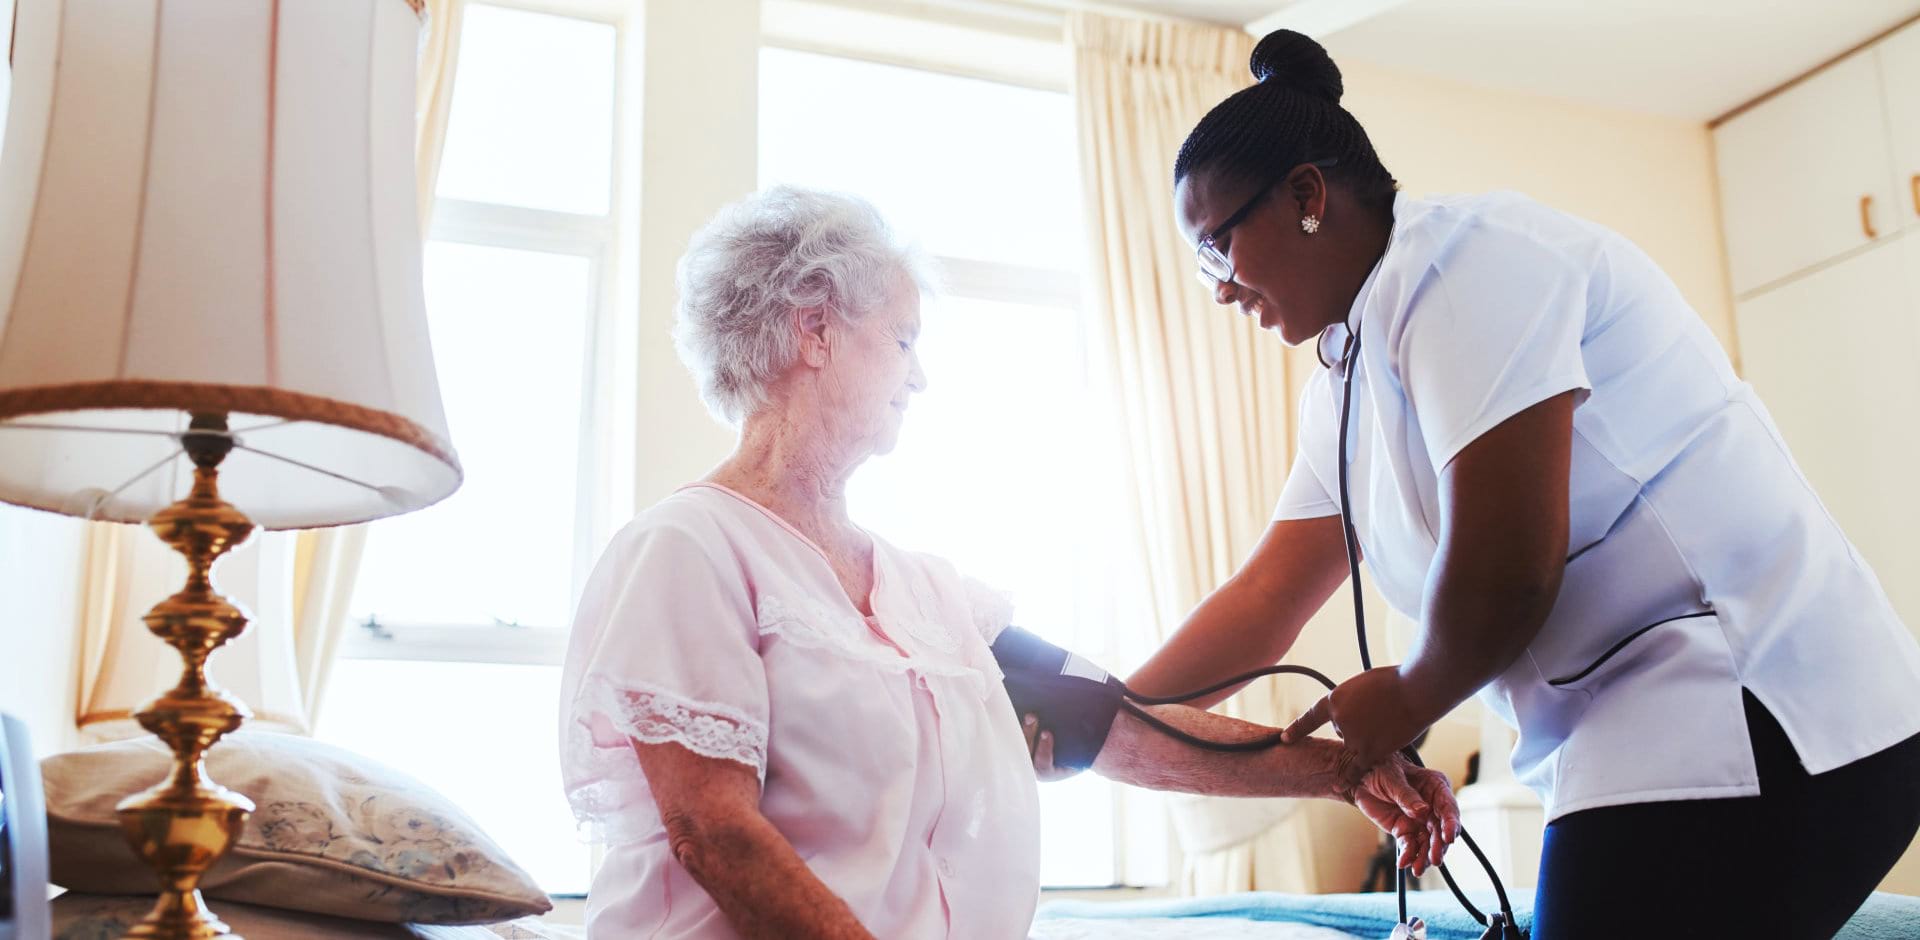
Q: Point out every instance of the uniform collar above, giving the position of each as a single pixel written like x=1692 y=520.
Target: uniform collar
x=1331 y=346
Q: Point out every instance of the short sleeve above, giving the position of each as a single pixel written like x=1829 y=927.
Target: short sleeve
x=991 y=607
x=676 y=657
x=1495 y=329
x=1305 y=495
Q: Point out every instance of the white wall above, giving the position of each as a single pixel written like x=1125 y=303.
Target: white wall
x=40 y=575
x=1649 y=178
x=698 y=151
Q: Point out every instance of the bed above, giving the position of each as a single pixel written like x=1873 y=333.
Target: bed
x=1270 y=916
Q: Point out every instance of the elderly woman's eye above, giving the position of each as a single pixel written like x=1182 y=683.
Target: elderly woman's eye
x=905 y=346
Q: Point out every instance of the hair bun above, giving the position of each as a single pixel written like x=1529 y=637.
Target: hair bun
x=1296 y=62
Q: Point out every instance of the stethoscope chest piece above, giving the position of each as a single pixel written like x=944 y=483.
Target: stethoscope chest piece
x=1414 y=929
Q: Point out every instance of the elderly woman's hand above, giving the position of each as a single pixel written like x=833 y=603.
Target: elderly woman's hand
x=1040 y=748
x=1422 y=837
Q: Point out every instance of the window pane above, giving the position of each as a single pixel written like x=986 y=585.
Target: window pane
x=1076 y=833
x=997 y=470
x=971 y=168
x=532 y=119
x=509 y=343
x=497 y=761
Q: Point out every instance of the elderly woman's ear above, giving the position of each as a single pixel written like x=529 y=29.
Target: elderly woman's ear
x=811 y=322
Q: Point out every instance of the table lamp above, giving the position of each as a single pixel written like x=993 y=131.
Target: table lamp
x=210 y=290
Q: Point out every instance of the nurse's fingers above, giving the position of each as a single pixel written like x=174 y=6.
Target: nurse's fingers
x=1310 y=722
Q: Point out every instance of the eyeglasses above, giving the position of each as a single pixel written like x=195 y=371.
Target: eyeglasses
x=1215 y=267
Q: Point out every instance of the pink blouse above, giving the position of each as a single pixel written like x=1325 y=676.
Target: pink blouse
x=888 y=753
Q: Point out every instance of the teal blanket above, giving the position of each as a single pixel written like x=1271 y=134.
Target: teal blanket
x=1885 y=916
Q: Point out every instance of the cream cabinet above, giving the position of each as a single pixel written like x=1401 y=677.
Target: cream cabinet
x=1899 y=59
x=1820 y=199
x=1835 y=356
x=1805 y=176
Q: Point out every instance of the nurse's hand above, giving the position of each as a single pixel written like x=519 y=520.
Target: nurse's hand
x=1372 y=713
x=1040 y=747
x=1422 y=840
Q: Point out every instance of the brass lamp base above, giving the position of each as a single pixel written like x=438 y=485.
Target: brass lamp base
x=183 y=824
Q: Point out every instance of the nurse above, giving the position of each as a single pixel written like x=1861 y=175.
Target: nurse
x=1551 y=466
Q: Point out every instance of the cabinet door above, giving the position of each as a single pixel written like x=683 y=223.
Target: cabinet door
x=1836 y=358
x=1793 y=172
x=1899 y=58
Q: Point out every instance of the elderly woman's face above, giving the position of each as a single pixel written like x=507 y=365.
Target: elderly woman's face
x=875 y=370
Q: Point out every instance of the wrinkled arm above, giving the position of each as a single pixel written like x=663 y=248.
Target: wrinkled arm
x=1413 y=804
x=711 y=808
x=1138 y=754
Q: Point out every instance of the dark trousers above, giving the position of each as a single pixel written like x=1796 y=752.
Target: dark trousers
x=1794 y=862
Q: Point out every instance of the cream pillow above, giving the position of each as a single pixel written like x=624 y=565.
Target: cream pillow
x=331 y=832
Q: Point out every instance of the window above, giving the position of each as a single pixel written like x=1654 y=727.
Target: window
x=999 y=463
x=461 y=609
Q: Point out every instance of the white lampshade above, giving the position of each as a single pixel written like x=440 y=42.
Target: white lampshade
x=208 y=205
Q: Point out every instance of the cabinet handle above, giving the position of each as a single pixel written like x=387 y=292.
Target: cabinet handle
x=1915 y=183
x=1866 y=217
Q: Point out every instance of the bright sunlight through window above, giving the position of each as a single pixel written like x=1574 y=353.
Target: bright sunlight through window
x=460 y=609
x=998 y=466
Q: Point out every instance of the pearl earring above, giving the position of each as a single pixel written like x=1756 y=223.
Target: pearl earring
x=1310 y=224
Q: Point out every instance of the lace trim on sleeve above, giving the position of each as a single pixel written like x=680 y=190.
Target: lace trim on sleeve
x=653 y=715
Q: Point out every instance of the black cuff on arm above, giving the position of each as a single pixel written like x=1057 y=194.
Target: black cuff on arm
x=1071 y=697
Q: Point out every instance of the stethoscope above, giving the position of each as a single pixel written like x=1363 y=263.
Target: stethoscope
x=1499 y=925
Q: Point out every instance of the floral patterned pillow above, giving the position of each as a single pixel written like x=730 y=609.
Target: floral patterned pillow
x=109 y=917
x=331 y=832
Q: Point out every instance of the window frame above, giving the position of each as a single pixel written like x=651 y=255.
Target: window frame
x=605 y=375
x=609 y=381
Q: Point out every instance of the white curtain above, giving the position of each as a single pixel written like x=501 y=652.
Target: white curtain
x=1206 y=408
x=122 y=664
x=296 y=586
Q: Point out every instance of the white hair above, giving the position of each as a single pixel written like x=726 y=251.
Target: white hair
x=764 y=257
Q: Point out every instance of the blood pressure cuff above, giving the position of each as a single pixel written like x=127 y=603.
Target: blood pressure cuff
x=1072 y=698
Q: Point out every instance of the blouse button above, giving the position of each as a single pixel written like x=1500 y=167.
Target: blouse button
x=946 y=868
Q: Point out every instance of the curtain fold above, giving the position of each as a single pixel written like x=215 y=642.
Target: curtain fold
x=122 y=664
x=433 y=96
x=1205 y=401
x=327 y=561
x=296 y=586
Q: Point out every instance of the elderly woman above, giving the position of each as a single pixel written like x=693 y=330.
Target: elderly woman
x=787 y=727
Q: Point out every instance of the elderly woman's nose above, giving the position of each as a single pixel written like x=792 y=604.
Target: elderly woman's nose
x=916 y=376
x=1225 y=292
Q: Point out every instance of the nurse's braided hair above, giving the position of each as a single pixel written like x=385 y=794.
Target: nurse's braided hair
x=1292 y=116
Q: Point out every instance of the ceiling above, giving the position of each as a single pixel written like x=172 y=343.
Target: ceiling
x=1694 y=59
x=1223 y=12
